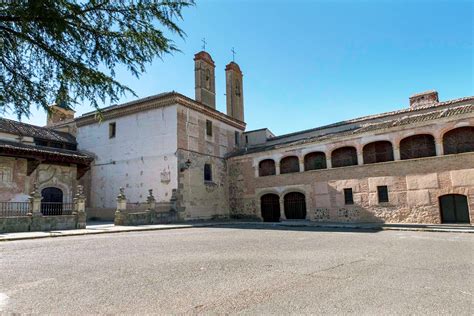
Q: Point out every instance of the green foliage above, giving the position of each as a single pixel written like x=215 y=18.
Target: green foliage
x=70 y=49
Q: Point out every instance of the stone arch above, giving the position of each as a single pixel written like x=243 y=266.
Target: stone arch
x=270 y=207
x=344 y=156
x=417 y=146
x=378 y=151
x=458 y=140
x=295 y=205
x=266 y=167
x=289 y=164
x=315 y=160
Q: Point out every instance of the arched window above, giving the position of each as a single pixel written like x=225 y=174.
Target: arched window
x=289 y=164
x=378 y=152
x=266 y=168
x=417 y=146
x=344 y=156
x=459 y=140
x=295 y=205
x=315 y=160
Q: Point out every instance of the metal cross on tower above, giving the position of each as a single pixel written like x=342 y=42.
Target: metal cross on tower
x=204 y=43
x=233 y=54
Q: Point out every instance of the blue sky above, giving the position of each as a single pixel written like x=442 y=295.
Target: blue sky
x=310 y=63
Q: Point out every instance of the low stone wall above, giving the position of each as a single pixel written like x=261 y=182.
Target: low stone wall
x=148 y=217
x=104 y=214
x=32 y=223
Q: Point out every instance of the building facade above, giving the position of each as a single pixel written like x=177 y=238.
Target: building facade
x=408 y=166
x=40 y=159
x=414 y=165
x=169 y=143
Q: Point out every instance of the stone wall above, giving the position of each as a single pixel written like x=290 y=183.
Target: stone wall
x=139 y=157
x=414 y=187
x=197 y=198
x=15 y=183
x=41 y=223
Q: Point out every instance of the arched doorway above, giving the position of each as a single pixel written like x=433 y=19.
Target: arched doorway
x=51 y=204
x=454 y=208
x=270 y=206
x=295 y=205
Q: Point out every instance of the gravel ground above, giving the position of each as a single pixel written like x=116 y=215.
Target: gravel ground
x=241 y=269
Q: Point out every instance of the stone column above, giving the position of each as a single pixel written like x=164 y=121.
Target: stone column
x=360 y=158
x=277 y=168
x=301 y=165
x=328 y=162
x=396 y=153
x=80 y=208
x=121 y=208
x=282 y=209
x=35 y=201
x=36 y=217
x=439 y=148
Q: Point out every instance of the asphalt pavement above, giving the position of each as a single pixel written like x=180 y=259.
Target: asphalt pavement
x=241 y=269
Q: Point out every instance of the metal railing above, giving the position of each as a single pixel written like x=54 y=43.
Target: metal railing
x=56 y=208
x=14 y=209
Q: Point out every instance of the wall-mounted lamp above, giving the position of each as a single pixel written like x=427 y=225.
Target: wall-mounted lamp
x=185 y=165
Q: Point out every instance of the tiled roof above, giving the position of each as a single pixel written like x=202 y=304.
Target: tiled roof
x=17 y=146
x=23 y=129
x=369 y=127
x=383 y=116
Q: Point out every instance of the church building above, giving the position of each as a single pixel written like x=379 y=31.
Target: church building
x=414 y=165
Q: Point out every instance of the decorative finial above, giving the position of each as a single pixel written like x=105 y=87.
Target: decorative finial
x=233 y=54
x=121 y=195
x=80 y=190
x=204 y=44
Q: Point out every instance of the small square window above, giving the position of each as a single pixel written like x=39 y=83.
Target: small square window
x=208 y=128
x=207 y=172
x=382 y=192
x=348 y=197
x=112 y=130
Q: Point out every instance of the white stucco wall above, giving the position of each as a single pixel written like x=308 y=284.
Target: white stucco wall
x=142 y=156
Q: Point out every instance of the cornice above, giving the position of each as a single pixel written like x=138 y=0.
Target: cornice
x=160 y=101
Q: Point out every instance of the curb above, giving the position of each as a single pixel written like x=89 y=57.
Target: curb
x=54 y=234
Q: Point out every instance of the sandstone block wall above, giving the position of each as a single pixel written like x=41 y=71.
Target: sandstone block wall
x=414 y=187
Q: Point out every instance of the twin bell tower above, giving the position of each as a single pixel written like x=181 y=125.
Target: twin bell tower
x=205 y=89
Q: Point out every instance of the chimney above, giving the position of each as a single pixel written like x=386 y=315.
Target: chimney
x=426 y=98
x=234 y=91
x=205 y=86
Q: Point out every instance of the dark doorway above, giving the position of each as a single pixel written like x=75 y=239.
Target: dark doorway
x=295 y=205
x=52 y=202
x=270 y=204
x=454 y=208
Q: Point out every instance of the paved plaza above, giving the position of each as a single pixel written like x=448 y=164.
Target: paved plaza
x=241 y=269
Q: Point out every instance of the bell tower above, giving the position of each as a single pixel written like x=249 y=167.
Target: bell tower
x=234 y=91
x=205 y=86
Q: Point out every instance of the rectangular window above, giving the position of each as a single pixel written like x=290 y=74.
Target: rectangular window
x=348 y=197
x=208 y=128
x=237 y=139
x=112 y=130
x=207 y=172
x=382 y=192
